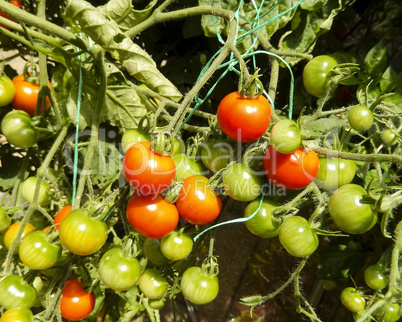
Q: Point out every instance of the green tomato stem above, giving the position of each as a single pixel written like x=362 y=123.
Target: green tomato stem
x=34 y=205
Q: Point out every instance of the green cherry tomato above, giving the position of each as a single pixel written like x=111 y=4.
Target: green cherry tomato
x=5 y=219
x=18 y=314
x=18 y=129
x=297 y=237
x=7 y=90
x=316 y=74
x=117 y=271
x=360 y=118
x=262 y=224
x=28 y=191
x=285 y=136
x=15 y=292
x=81 y=234
x=240 y=183
x=152 y=284
x=156 y=304
x=328 y=285
x=392 y=312
x=218 y=153
x=185 y=167
x=198 y=287
x=348 y=212
x=176 y=245
x=352 y=300
x=132 y=136
x=37 y=252
x=389 y=137
x=375 y=277
x=334 y=172
x=152 y=251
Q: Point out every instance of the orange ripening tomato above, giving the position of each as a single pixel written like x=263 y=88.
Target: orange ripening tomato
x=16 y=3
x=151 y=215
x=76 y=304
x=146 y=171
x=243 y=119
x=62 y=213
x=291 y=171
x=197 y=203
x=26 y=95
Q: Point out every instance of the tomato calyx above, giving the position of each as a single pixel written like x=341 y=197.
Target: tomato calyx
x=215 y=182
x=252 y=158
x=162 y=143
x=130 y=248
x=171 y=194
x=30 y=73
x=147 y=123
x=249 y=87
x=210 y=266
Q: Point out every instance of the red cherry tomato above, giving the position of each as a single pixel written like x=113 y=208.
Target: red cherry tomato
x=26 y=95
x=244 y=119
x=76 y=304
x=197 y=203
x=63 y=212
x=146 y=171
x=151 y=215
x=291 y=171
x=16 y=3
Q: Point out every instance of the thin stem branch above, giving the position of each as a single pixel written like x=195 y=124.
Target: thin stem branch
x=93 y=143
x=44 y=25
x=371 y=158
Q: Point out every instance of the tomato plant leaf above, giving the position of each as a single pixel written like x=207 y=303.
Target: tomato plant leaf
x=339 y=261
x=312 y=24
x=132 y=57
x=376 y=59
x=123 y=107
x=325 y=125
x=123 y=13
x=388 y=80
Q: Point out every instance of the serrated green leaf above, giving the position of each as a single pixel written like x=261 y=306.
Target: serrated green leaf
x=339 y=261
x=376 y=59
x=312 y=4
x=388 y=80
x=325 y=125
x=394 y=102
x=312 y=25
x=123 y=107
x=124 y=14
x=106 y=162
x=132 y=57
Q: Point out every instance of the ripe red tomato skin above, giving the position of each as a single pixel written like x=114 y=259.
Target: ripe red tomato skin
x=26 y=95
x=151 y=216
x=146 y=171
x=76 y=304
x=292 y=171
x=244 y=119
x=197 y=204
